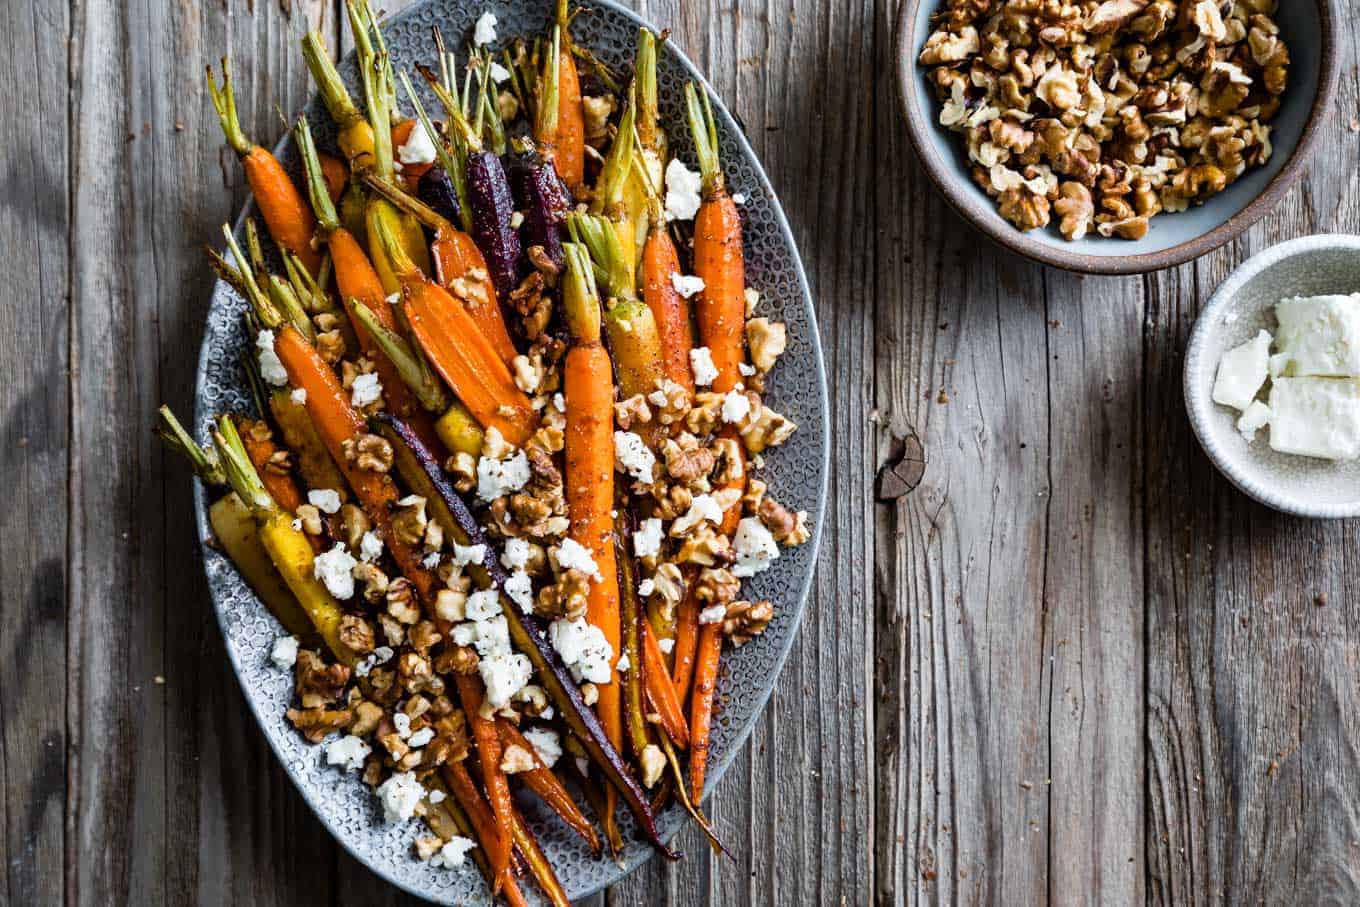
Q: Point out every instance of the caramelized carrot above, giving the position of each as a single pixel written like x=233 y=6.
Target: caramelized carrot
x=489 y=830
x=336 y=175
x=541 y=780
x=686 y=642
x=589 y=480
x=488 y=743
x=560 y=125
x=533 y=854
x=285 y=211
x=701 y=706
x=660 y=691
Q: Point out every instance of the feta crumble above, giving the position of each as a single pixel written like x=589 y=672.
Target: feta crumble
x=754 y=546
x=298 y=396
x=634 y=455
x=647 y=539
x=1242 y=371
x=683 y=186
x=370 y=547
x=366 y=390
x=646 y=588
x=1253 y=418
x=516 y=554
x=584 y=650
x=271 y=366
x=686 y=285
x=430 y=561
x=484 y=32
x=738 y=198
x=483 y=605
x=497 y=478
x=349 y=752
x=713 y=614
x=559 y=402
x=520 y=587
x=327 y=500
x=746 y=369
x=453 y=853
x=623 y=664
x=504 y=675
x=334 y=568
x=468 y=554
x=1321 y=334
x=546 y=744
x=380 y=655
x=418 y=147
x=702 y=507
x=736 y=407
x=437 y=797
x=400 y=794
x=402 y=722
x=284 y=653
x=667 y=645
x=572 y=554
x=499 y=73
x=701 y=361
x=420 y=738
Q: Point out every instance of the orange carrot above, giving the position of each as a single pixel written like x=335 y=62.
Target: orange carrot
x=285 y=211
x=670 y=310
x=686 y=641
x=488 y=744
x=541 y=780
x=488 y=828
x=260 y=447
x=701 y=707
x=336 y=175
x=660 y=691
x=560 y=126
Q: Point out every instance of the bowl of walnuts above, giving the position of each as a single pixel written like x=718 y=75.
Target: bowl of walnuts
x=1115 y=136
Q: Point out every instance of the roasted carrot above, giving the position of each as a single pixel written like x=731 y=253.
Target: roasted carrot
x=560 y=125
x=490 y=832
x=488 y=743
x=661 y=693
x=670 y=310
x=285 y=211
x=533 y=854
x=589 y=480
x=263 y=453
x=701 y=705
x=448 y=818
x=611 y=197
x=458 y=351
x=630 y=621
x=356 y=135
x=336 y=175
x=549 y=788
x=686 y=642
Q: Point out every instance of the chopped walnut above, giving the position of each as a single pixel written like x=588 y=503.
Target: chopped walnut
x=530 y=302
x=631 y=412
x=280 y=463
x=598 y=109
x=765 y=430
x=317 y=682
x=653 y=764
x=353 y=524
x=1024 y=209
x=401 y=601
x=423 y=636
x=686 y=461
x=409 y=520
x=766 y=340
x=704 y=416
x=516 y=759
x=370 y=452
x=746 y=620
x=528 y=372
x=717 y=586
x=330 y=345
x=318 y=723
x=670 y=402
x=416 y=672
x=590 y=694
x=565 y=598
x=462 y=466
x=366 y=717
x=1075 y=209
x=373 y=580
x=356 y=634
x=310 y=518
x=755 y=493
x=705 y=547
x=668 y=584
x=730 y=467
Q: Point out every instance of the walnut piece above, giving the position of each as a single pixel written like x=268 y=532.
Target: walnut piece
x=746 y=620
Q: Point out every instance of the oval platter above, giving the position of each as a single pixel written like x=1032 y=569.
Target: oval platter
x=796 y=472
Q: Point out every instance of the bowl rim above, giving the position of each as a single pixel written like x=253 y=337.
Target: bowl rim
x=1199 y=406
x=626 y=864
x=922 y=131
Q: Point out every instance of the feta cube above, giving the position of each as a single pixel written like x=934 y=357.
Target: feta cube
x=1253 y=417
x=334 y=568
x=1242 y=371
x=484 y=32
x=1316 y=417
x=348 y=752
x=284 y=653
x=400 y=794
x=633 y=454
x=452 y=854
x=701 y=361
x=546 y=744
x=686 y=285
x=327 y=500
x=682 y=191
x=1321 y=335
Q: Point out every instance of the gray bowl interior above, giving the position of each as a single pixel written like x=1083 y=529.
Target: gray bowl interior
x=796 y=473
x=1300 y=25
x=1244 y=305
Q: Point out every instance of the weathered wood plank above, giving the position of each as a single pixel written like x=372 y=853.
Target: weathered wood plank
x=35 y=173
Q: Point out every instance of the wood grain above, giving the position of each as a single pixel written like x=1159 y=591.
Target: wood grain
x=1072 y=665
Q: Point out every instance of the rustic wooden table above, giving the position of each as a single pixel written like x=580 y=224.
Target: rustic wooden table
x=1073 y=665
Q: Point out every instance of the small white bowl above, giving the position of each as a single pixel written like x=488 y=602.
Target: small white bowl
x=1242 y=305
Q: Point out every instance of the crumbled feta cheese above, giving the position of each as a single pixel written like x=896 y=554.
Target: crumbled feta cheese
x=686 y=285
x=504 y=675
x=366 y=390
x=702 y=507
x=647 y=539
x=572 y=554
x=1279 y=364
x=583 y=648
x=437 y=797
x=752 y=297
x=430 y=561
x=736 y=407
x=468 y=554
x=327 y=500
x=420 y=738
x=559 y=402
x=400 y=794
x=746 y=369
x=713 y=614
x=1321 y=335
x=452 y=854
x=667 y=645
x=623 y=664
x=484 y=32
x=754 y=546
x=298 y=396
x=402 y=722
x=418 y=147
x=1242 y=371
x=520 y=587
x=489 y=637
x=483 y=605
x=738 y=198
x=1253 y=418
x=370 y=547
x=633 y=454
x=546 y=744
x=682 y=191
x=380 y=655
x=1316 y=417
x=646 y=587
x=516 y=554
x=701 y=361
x=349 y=752
x=284 y=653
x=271 y=367
x=334 y=569
x=499 y=73
x=497 y=478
